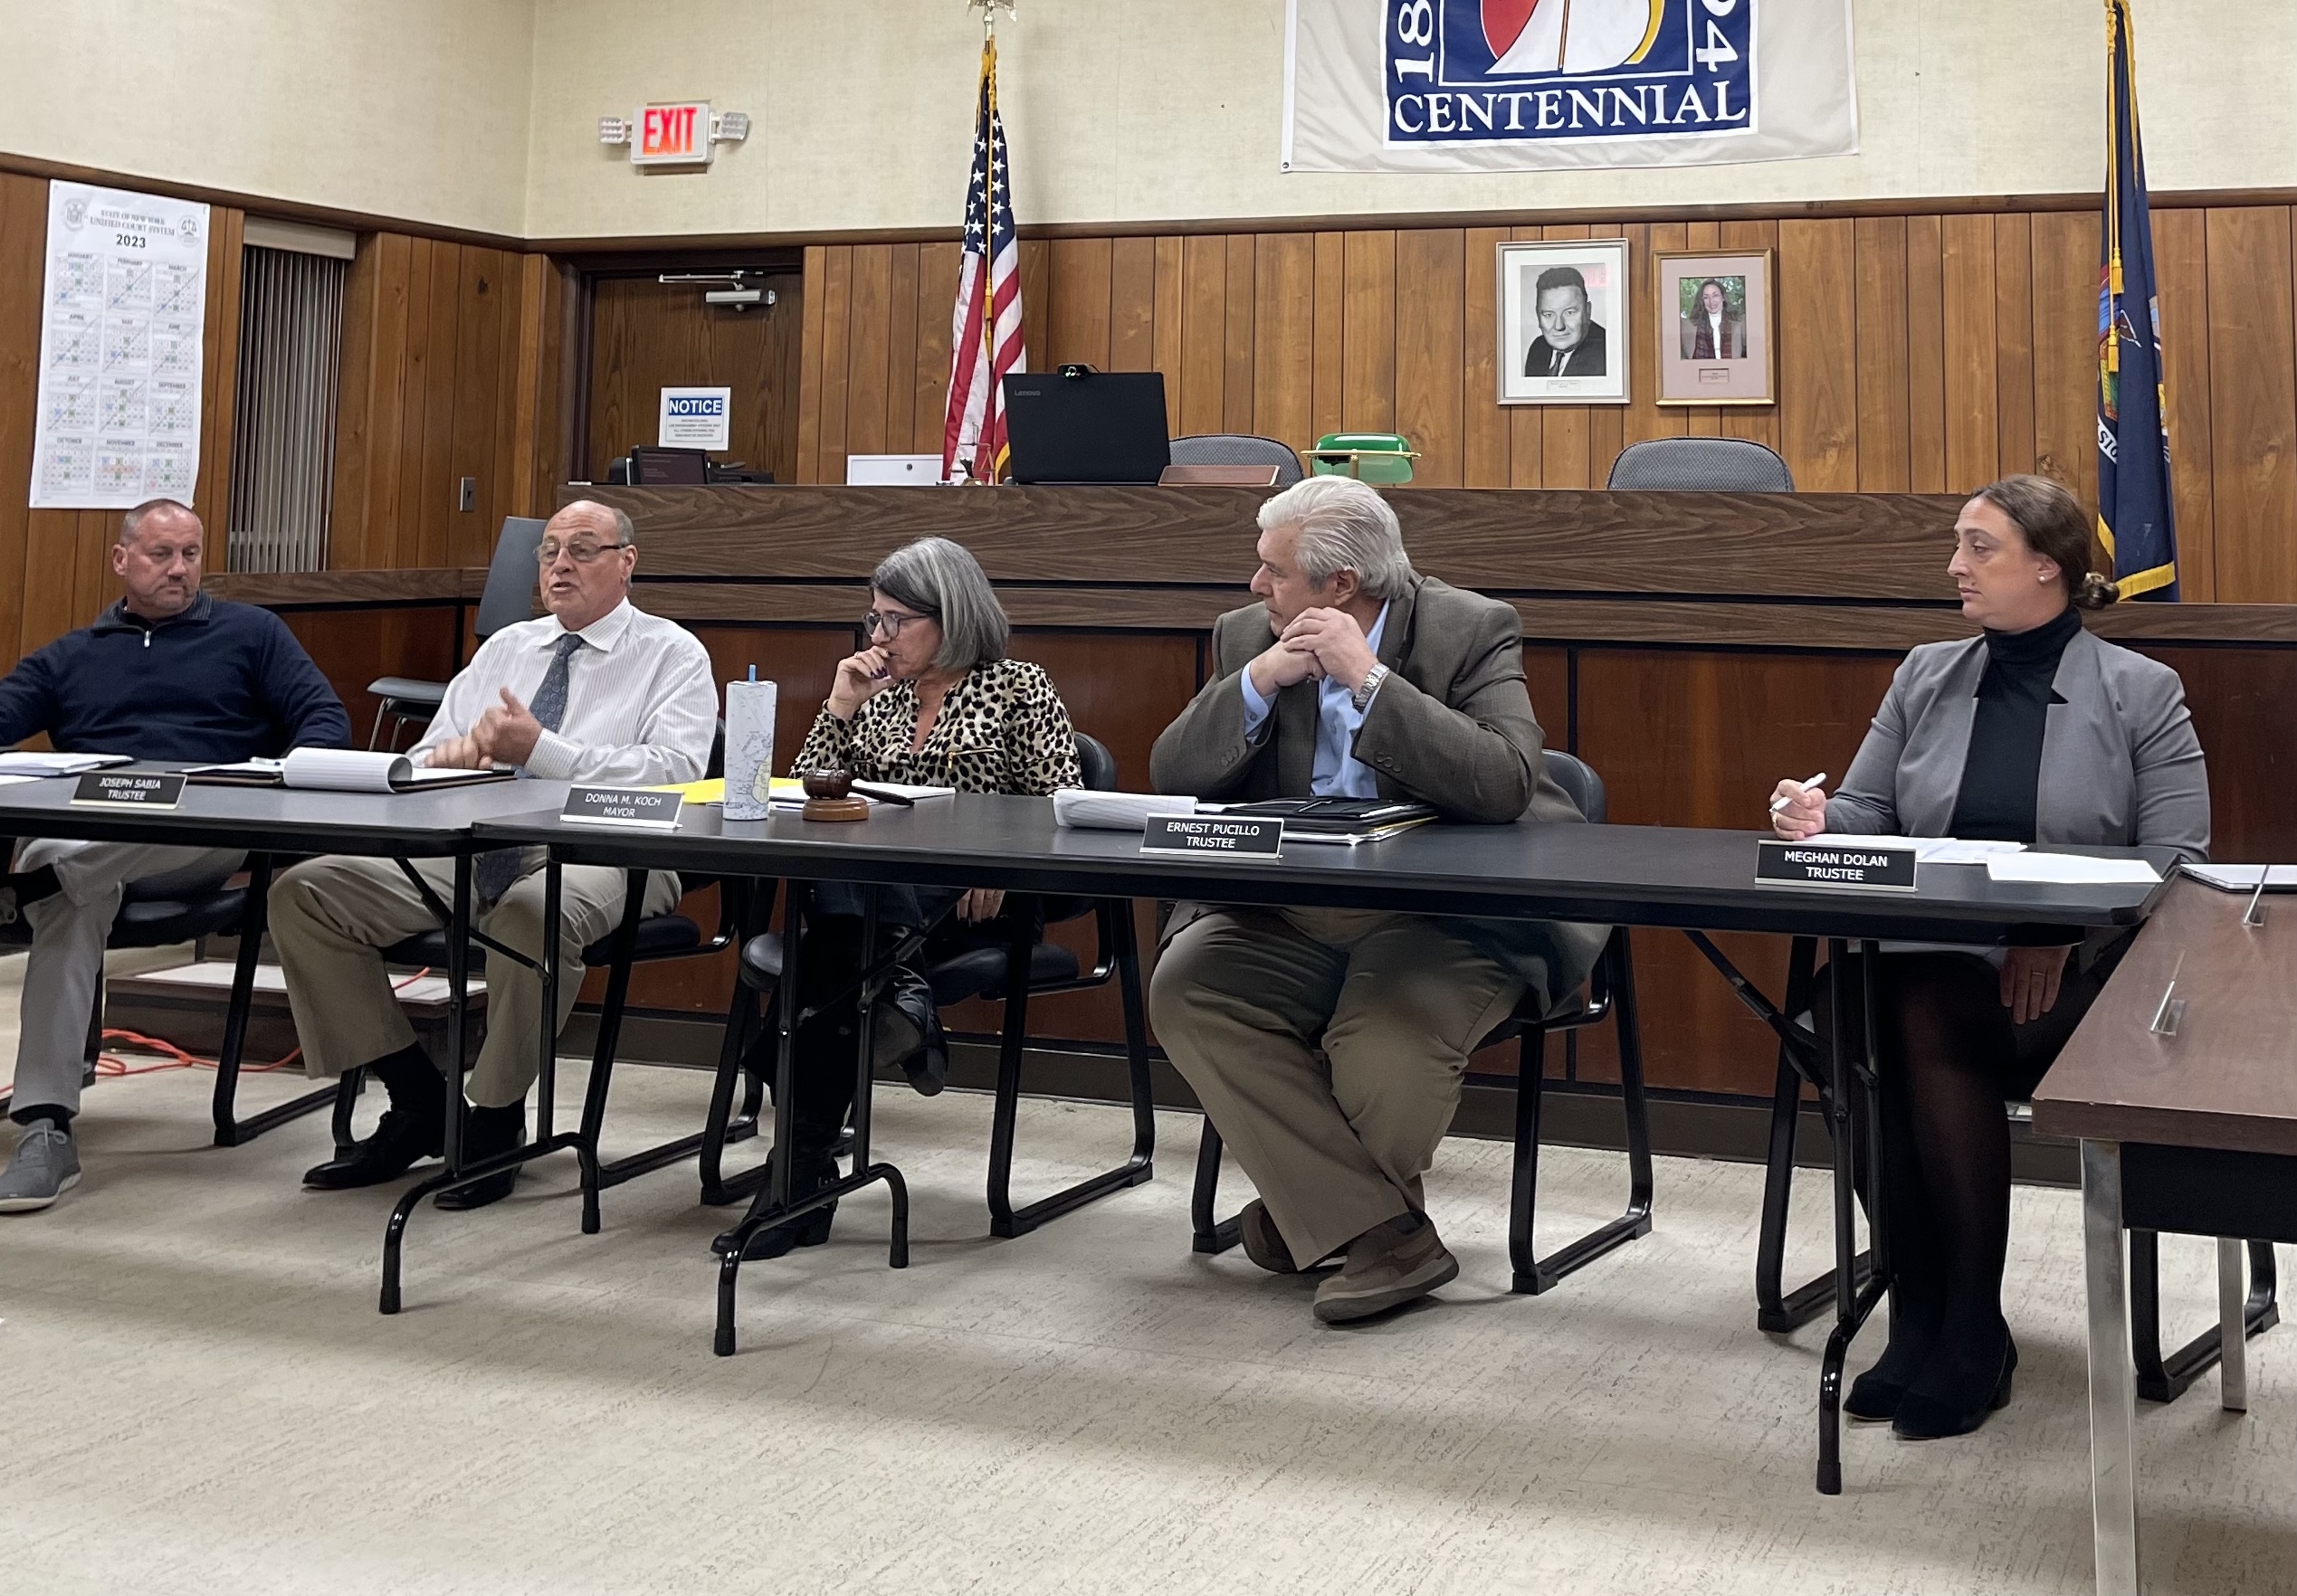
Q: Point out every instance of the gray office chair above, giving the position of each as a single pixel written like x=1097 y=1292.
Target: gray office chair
x=1711 y=465
x=1239 y=449
x=508 y=599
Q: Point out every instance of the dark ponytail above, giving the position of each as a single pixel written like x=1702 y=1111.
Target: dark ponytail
x=2057 y=528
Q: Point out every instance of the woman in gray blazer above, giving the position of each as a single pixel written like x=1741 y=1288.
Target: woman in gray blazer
x=2035 y=732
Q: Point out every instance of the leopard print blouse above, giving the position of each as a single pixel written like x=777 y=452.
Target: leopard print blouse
x=1002 y=728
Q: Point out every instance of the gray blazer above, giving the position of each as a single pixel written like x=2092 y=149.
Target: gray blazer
x=2120 y=765
x=1452 y=726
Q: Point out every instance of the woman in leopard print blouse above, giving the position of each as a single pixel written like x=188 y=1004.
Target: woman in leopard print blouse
x=930 y=700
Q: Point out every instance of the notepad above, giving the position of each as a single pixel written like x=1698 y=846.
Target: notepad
x=2068 y=869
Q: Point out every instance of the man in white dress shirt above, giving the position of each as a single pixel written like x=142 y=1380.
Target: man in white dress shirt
x=596 y=691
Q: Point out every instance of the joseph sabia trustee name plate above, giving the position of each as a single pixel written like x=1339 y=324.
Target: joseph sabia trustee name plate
x=1883 y=865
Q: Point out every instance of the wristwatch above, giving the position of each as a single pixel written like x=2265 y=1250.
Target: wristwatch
x=1362 y=696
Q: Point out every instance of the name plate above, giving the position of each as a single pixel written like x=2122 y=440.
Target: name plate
x=135 y=789
x=1878 y=867
x=623 y=806
x=1262 y=837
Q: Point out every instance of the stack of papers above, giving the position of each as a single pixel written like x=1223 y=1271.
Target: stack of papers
x=33 y=766
x=341 y=770
x=2068 y=869
x=1927 y=849
x=1114 y=812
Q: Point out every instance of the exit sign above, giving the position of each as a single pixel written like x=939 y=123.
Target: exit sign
x=676 y=135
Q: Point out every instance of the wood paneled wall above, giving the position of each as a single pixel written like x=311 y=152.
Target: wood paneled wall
x=55 y=566
x=1915 y=354
x=451 y=357
x=645 y=336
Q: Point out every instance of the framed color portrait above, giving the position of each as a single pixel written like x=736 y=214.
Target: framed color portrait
x=1715 y=339
x=1564 y=319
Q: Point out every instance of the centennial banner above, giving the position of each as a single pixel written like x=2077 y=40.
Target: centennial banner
x=1515 y=85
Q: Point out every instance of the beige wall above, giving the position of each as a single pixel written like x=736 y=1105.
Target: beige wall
x=407 y=109
x=482 y=114
x=1124 y=112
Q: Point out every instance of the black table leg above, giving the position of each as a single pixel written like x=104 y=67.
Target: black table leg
x=458 y=995
x=231 y=1131
x=1853 y=1299
x=772 y=1205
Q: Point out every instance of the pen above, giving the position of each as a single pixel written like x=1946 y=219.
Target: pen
x=1777 y=804
x=882 y=796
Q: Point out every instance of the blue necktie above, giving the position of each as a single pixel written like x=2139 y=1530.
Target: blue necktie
x=498 y=869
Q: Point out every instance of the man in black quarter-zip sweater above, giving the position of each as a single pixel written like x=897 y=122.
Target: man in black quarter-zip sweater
x=167 y=673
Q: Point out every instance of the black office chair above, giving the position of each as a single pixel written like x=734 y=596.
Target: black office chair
x=985 y=973
x=1239 y=449
x=508 y=599
x=1712 y=465
x=1610 y=994
x=1803 y=1062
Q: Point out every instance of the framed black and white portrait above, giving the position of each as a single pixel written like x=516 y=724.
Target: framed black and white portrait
x=1564 y=315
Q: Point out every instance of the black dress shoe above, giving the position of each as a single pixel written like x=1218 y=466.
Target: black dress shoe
x=400 y=1141
x=1873 y=1398
x=1934 y=1415
x=487 y=1133
x=808 y=1175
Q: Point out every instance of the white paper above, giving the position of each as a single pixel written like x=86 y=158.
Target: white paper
x=122 y=315
x=1956 y=851
x=2067 y=869
x=696 y=418
x=10 y=781
x=1861 y=839
x=37 y=764
x=1114 y=812
x=2244 y=877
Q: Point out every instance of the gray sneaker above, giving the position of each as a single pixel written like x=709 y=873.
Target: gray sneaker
x=46 y=1166
x=1388 y=1266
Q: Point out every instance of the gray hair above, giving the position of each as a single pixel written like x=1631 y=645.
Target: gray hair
x=133 y=521
x=1344 y=525
x=625 y=529
x=937 y=578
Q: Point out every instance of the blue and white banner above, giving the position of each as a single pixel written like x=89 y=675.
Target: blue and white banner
x=1511 y=85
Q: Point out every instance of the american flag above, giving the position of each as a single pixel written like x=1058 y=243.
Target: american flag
x=985 y=336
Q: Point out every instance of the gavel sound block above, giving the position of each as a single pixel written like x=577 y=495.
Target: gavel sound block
x=829 y=796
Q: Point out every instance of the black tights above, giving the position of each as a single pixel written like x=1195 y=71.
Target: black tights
x=1951 y=1060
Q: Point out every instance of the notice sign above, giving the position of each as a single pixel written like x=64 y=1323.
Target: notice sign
x=120 y=318
x=1213 y=834
x=1886 y=864
x=623 y=806
x=697 y=418
x=130 y=789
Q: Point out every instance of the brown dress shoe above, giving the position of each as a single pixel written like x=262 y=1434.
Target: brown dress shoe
x=1263 y=1242
x=1390 y=1264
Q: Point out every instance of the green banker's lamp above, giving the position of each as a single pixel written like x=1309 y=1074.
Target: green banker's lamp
x=1384 y=459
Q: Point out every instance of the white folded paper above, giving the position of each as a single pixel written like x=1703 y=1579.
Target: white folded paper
x=1114 y=812
x=36 y=765
x=356 y=770
x=2067 y=869
x=1927 y=849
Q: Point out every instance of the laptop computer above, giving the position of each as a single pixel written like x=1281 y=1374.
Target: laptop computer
x=1077 y=425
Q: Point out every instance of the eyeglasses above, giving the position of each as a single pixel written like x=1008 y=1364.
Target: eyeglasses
x=889 y=622
x=581 y=550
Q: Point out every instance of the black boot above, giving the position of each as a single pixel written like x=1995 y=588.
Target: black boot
x=487 y=1133
x=1959 y=1388
x=413 y=1128
x=808 y=1174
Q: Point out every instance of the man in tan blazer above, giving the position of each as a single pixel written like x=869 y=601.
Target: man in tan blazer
x=1354 y=675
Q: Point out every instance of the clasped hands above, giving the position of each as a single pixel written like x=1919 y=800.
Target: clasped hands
x=1319 y=644
x=504 y=735
x=2030 y=975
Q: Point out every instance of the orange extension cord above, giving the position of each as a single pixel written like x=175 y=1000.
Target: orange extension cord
x=107 y=1064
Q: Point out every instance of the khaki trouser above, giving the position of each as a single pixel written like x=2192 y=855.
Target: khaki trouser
x=330 y=918
x=1239 y=999
x=69 y=930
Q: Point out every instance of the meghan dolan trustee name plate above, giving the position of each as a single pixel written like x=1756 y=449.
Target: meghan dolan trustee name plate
x=1883 y=864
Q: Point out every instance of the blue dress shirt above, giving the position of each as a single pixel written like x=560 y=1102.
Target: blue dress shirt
x=1338 y=772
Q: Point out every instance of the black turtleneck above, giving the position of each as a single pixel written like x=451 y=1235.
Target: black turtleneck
x=2003 y=772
